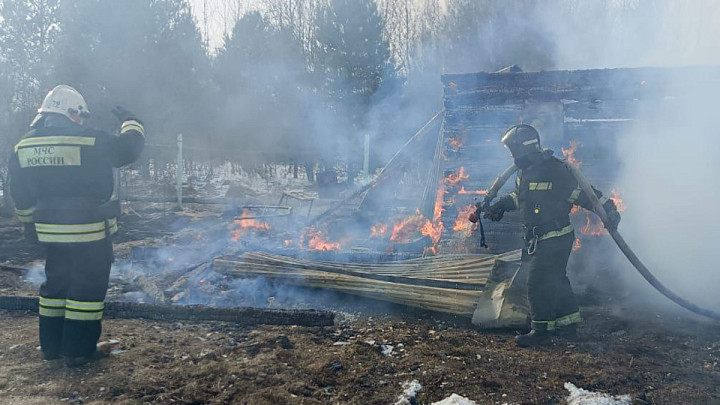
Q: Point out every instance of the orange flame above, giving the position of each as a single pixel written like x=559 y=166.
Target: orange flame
x=577 y=245
x=453 y=179
x=433 y=230
x=593 y=226
x=378 y=230
x=455 y=143
x=316 y=240
x=475 y=192
x=569 y=154
x=619 y=203
x=462 y=225
x=403 y=229
x=439 y=200
x=246 y=225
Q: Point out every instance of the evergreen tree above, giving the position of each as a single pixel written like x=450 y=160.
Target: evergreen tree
x=146 y=55
x=351 y=60
x=262 y=76
x=28 y=29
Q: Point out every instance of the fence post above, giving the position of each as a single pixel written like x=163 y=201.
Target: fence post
x=179 y=171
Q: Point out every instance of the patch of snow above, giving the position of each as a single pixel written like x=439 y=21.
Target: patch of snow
x=579 y=396
x=455 y=399
x=410 y=390
x=386 y=350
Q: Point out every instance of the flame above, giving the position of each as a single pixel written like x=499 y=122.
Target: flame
x=593 y=226
x=433 y=230
x=577 y=245
x=246 y=225
x=453 y=179
x=287 y=242
x=439 y=200
x=475 y=192
x=418 y=223
x=619 y=203
x=569 y=154
x=455 y=143
x=462 y=225
x=378 y=230
x=317 y=241
x=404 y=228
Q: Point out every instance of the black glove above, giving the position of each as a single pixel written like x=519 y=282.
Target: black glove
x=494 y=213
x=613 y=215
x=124 y=115
x=30 y=234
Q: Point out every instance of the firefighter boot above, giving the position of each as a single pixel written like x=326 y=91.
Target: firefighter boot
x=103 y=350
x=534 y=338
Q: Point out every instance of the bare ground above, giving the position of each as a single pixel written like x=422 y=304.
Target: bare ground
x=655 y=358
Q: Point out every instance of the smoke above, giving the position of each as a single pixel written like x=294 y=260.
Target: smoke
x=670 y=171
x=669 y=164
x=265 y=98
x=633 y=33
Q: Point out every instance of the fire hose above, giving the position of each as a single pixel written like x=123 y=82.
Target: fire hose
x=627 y=251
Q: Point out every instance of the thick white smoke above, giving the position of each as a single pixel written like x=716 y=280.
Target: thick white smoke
x=670 y=184
x=670 y=156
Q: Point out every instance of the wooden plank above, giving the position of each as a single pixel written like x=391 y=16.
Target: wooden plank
x=463 y=269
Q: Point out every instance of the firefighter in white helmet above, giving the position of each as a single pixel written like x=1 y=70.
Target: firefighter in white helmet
x=61 y=181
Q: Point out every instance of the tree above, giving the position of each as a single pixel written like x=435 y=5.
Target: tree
x=146 y=55
x=350 y=61
x=490 y=34
x=262 y=74
x=28 y=30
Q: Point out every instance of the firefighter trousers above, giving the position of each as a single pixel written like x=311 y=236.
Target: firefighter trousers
x=552 y=302
x=72 y=297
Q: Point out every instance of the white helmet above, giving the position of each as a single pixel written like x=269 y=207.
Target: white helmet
x=65 y=100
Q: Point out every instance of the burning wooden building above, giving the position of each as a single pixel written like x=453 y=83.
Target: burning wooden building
x=580 y=115
x=405 y=237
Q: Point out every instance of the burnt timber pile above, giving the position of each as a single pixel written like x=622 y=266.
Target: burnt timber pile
x=450 y=284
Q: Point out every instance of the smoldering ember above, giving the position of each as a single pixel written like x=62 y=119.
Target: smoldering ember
x=359 y=202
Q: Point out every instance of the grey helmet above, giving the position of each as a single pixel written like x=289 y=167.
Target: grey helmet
x=521 y=140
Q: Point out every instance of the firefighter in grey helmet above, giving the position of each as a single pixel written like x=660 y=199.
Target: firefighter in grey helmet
x=545 y=192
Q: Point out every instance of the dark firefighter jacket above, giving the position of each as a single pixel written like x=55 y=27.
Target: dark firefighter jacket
x=61 y=180
x=545 y=193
